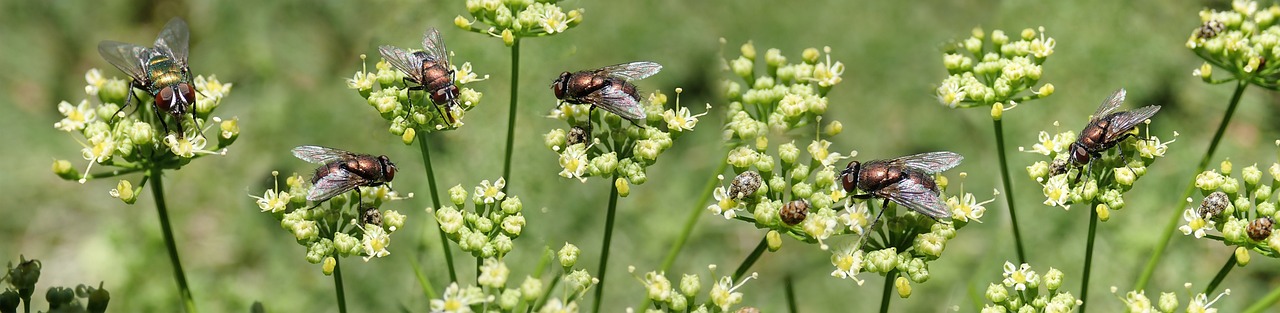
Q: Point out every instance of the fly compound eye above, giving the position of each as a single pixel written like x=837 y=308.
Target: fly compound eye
x=164 y=99
x=560 y=85
x=188 y=93
x=388 y=168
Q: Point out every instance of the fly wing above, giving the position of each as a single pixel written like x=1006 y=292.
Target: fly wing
x=1125 y=121
x=631 y=71
x=320 y=155
x=403 y=60
x=333 y=184
x=613 y=99
x=433 y=45
x=125 y=56
x=930 y=162
x=916 y=197
x=175 y=39
x=1109 y=105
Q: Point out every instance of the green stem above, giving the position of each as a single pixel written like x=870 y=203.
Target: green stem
x=422 y=278
x=790 y=290
x=157 y=191
x=888 y=288
x=694 y=214
x=608 y=236
x=337 y=285
x=435 y=201
x=1088 y=256
x=1177 y=214
x=751 y=259
x=1222 y=274
x=511 y=113
x=1265 y=303
x=1008 y=189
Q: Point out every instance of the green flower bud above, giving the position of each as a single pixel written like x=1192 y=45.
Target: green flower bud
x=997 y=293
x=531 y=289
x=766 y=212
x=774 y=239
x=230 y=130
x=930 y=244
x=903 y=286
x=1240 y=203
x=508 y=38
x=1226 y=167
x=973 y=45
x=788 y=152
x=881 y=261
x=63 y=169
x=512 y=224
x=997 y=111
x=1114 y=199
x=483 y=224
x=318 y=250
x=408 y=136
x=59 y=297
x=473 y=241
x=1038 y=170
x=1273 y=241
x=1251 y=175
x=1274 y=170
x=1263 y=193
x=328 y=265
x=579 y=280
x=743 y=67
x=1242 y=256
x=774 y=58
x=801 y=190
x=305 y=231
x=679 y=303
x=742 y=157
x=1168 y=302
x=690 y=284
x=568 y=255
x=799 y=174
x=1230 y=185
x=1053 y=279
x=1028 y=34
x=458 y=195
x=624 y=188
x=125 y=192
x=1266 y=209
x=748 y=50
x=1206 y=72
x=1045 y=90
x=509 y=299
x=392 y=220
x=1090 y=191
x=346 y=245
x=1104 y=212
x=1234 y=230
x=1125 y=176
x=114 y=91
x=512 y=205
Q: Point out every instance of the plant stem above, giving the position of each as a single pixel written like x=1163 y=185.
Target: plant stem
x=888 y=288
x=1222 y=274
x=751 y=259
x=1266 y=302
x=1008 y=189
x=511 y=113
x=337 y=285
x=1204 y=163
x=694 y=214
x=790 y=290
x=422 y=279
x=1088 y=256
x=157 y=191
x=608 y=236
x=435 y=201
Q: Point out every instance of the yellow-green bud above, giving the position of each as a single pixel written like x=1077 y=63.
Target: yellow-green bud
x=63 y=169
x=508 y=38
x=774 y=239
x=555 y=139
x=462 y=22
x=1038 y=170
x=997 y=111
x=1045 y=90
x=328 y=265
x=1125 y=176
x=762 y=143
x=568 y=255
x=124 y=191
x=1206 y=72
x=1226 y=167
x=1104 y=212
x=575 y=17
x=903 y=285
x=1230 y=185
x=1053 y=279
x=788 y=152
x=531 y=289
x=624 y=188
x=114 y=91
x=1208 y=180
x=408 y=136
x=1266 y=209
x=691 y=284
x=509 y=299
x=996 y=293
x=679 y=303
x=230 y=130
x=743 y=67
x=1168 y=302
x=458 y=195
x=1028 y=34
x=748 y=50
x=1263 y=193
x=834 y=128
x=810 y=55
x=999 y=38
x=774 y=58
x=1251 y=175
x=1242 y=256
x=345 y=244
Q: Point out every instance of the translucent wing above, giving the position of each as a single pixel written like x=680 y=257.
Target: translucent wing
x=930 y=162
x=917 y=197
x=1125 y=121
x=434 y=46
x=320 y=155
x=333 y=184
x=175 y=39
x=125 y=56
x=1109 y=105
x=616 y=101
x=631 y=71
x=403 y=60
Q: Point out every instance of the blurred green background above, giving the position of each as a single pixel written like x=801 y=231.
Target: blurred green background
x=289 y=59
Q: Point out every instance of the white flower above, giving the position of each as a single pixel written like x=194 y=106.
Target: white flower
x=820 y=225
x=1057 y=192
x=657 y=286
x=553 y=20
x=1152 y=147
x=724 y=294
x=187 y=146
x=848 y=263
x=857 y=216
x=76 y=116
x=950 y=93
x=1043 y=46
x=464 y=75
x=273 y=201
x=966 y=207
x=574 y=161
x=375 y=243
x=457 y=300
x=95 y=81
x=682 y=119
x=1018 y=277
x=1196 y=225
x=362 y=81
x=493 y=274
x=555 y=305
x=820 y=151
x=1200 y=303
x=725 y=205
x=826 y=73
x=490 y=194
x=211 y=87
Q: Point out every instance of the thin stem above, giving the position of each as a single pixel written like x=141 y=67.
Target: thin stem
x=337 y=285
x=694 y=214
x=1222 y=274
x=888 y=288
x=790 y=290
x=1177 y=214
x=157 y=191
x=1265 y=303
x=608 y=236
x=422 y=279
x=1088 y=256
x=435 y=201
x=1008 y=189
x=751 y=259
x=511 y=113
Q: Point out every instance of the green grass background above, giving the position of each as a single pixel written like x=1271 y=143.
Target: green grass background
x=288 y=61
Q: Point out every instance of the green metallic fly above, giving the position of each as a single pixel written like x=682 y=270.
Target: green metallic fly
x=161 y=71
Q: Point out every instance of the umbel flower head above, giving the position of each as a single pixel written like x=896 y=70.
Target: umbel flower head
x=994 y=70
x=1021 y=291
x=1241 y=41
x=339 y=227
x=1237 y=209
x=1137 y=301
x=784 y=96
x=129 y=140
x=499 y=290
x=597 y=143
x=1105 y=176
x=665 y=295
x=512 y=20
x=408 y=107
x=487 y=229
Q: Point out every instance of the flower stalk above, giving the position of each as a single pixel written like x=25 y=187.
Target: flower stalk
x=1088 y=256
x=751 y=259
x=1222 y=274
x=435 y=201
x=162 y=211
x=337 y=286
x=511 y=112
x=1008 y=188
x=888 y=289
x=604 y=250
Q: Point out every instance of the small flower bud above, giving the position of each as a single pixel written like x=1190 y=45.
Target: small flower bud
x=568 y=255
x=997 y=293
x=1274 y=170
x=458 y=195
x=1168 y=302
x=1230 y=185
x=788 y=152
x=794 y=212
x=745 y=185
x=743 y=67
x=810 y=55
x=124 y=191
x=317 y=251
x=1251 y=175
x=881 y=261
x=508 y=38
x=1242 y=256
x=1225 y=167
x=305 y=231
x=408 y=136
x=903 y=286
x=462 y=22
x=1260 y=229
x=59 y=296
x=1125 y=176
x=1209 y=180
x=1038 y=170
x=1045 y=90
x=345 y=244
x=748 y=50
x=801 y=190
x=997 y=111
x=679 y=303
x=556 y=139
x=930 y=244
x=328 y=265
x=774 y=58
x=774 y=239
x=624 y=188
x=690 y=285
x=509 y=299
x=531 y=289
x=1104 y=212
x=832 y=129
x=1263 y=193
x=98 y=299
x=1266 y=209
x=63 y=169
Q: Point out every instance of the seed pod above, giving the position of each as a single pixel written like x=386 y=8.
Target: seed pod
x=794 y=212
x=577 y=135
x=1260 y=229
x=371 y=215
x=745 y=185
x=1213 y=204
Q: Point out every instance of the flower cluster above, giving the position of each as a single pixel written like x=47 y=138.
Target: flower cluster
x=486 y=231
x=784 y=97
x=514 y=19
x=20 y=285
x=497 y=293
x=994 y=71
x=1244 y=215
x=1026 y=294
x=341 y=226
x=601 y=144
x=1137 y=301
x=130 y=143
x=1102 y=182
x=410 y=113
x=1240 y=41
x=684 y=297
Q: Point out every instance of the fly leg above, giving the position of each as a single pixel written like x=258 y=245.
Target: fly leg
x=127 y=100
